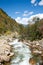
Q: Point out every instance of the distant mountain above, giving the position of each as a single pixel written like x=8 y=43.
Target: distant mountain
x=35 y=28
x=34 y=18
x=32 y=31
x=7 y=23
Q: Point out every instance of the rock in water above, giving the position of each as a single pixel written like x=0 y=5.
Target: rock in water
x=32 y=61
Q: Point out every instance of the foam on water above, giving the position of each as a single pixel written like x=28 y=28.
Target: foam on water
x=22 y=53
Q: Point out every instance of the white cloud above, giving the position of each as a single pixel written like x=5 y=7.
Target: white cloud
x=26 y=13
x=35 y=4
x=17 y=12
x=28 y=20
x=33 y=1
x=30 y=13
x=22 y=20
x=40 y=15
x=41 y=3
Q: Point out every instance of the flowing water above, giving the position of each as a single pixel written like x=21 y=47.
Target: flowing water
x=22 y=53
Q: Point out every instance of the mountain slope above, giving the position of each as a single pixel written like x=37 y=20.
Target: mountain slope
x=7 y=23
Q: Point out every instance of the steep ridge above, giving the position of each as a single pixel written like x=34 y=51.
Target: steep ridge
x=7 y=23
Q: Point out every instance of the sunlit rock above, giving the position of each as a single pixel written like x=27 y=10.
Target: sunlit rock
x=32 y=61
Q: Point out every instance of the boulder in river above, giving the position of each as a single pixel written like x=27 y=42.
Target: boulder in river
x=32 y=61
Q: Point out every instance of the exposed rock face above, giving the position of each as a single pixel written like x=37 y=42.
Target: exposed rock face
x=5 y=51
x=36 y=48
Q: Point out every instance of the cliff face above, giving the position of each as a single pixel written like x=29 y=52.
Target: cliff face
x=7 y=23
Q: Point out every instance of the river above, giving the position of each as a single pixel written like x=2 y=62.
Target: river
x=22 y=53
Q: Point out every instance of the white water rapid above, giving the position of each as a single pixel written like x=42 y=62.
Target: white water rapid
x=22 y=53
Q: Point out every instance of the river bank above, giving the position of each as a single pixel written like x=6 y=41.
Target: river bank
x=36 y=48
x=5 y=49
x=21 y=51
x=31 y=51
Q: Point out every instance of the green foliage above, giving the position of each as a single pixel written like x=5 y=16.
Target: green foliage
x=30 y=32
x=7 y=23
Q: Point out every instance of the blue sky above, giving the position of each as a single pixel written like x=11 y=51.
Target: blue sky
x=22 y=9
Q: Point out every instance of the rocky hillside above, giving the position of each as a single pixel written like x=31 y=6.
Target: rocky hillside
x=7 y=23
x=31 y=31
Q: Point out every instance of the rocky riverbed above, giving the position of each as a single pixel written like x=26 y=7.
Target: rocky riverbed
x=25 y=52
x=5 y=50
x=36 y=48
x=21 y=52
